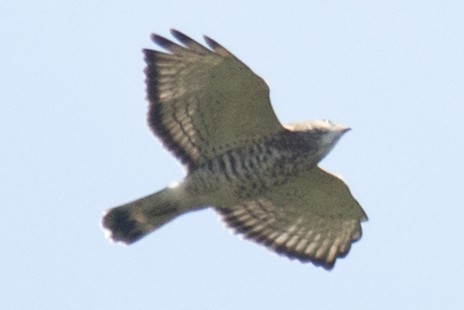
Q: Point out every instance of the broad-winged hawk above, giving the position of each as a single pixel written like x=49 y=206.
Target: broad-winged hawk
x=214 y=114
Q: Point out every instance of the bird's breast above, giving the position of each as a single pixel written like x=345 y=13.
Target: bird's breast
x=249 y=170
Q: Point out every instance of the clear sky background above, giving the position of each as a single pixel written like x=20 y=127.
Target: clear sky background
x=74 y=142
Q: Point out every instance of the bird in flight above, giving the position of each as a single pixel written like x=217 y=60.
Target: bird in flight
x=214 y=114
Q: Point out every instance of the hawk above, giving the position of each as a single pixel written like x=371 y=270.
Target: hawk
x=214 y=114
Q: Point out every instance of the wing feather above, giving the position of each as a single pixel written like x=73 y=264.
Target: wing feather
x=313 y=218
x=204 y=102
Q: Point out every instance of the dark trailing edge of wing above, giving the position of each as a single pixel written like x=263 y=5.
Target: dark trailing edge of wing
x=152 y=59
x=155 y=109
x=260 y=237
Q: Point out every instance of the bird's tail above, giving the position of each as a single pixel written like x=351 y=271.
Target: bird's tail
x=133 y=221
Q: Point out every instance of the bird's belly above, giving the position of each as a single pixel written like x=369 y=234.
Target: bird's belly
x=246 y=172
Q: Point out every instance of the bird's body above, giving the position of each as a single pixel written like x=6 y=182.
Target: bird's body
x=214 y=114
x=246 y=171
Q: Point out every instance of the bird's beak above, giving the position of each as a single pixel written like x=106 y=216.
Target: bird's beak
x=345 y=129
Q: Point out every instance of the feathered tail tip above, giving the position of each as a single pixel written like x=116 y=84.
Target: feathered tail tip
x=134 y=220
x=120 y=226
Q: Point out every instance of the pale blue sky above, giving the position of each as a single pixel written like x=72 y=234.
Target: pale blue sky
x=74 y=142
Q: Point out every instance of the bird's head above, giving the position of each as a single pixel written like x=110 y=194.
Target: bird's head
x=321 y=135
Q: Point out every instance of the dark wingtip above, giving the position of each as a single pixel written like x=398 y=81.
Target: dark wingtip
x=211 y=43
x=121 y=227
x=218 y=48
x=162 y=41
x=179 y=35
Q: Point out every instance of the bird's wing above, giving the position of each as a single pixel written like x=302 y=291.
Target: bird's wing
x=312 y=218
x=204 y=101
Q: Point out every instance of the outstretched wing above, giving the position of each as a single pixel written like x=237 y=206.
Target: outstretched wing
x=204 y=101
x=313 y=218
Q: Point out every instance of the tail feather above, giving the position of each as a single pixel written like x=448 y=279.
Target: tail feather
x=133 y=221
